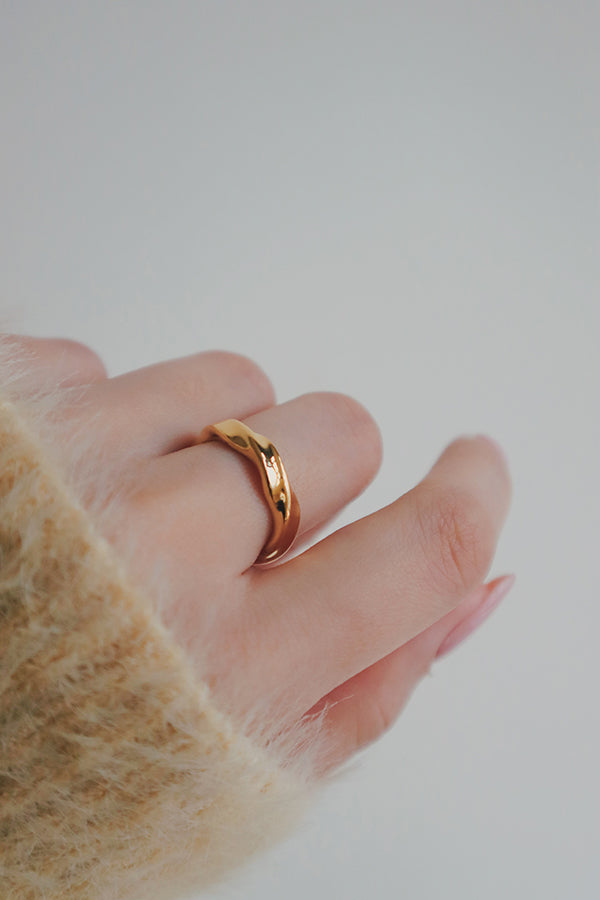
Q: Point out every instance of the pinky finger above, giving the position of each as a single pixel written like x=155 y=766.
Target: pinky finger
x=61 y=360
x=361 y=709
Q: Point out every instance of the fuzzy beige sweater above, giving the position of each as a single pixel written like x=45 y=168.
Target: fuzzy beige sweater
x=121 y=776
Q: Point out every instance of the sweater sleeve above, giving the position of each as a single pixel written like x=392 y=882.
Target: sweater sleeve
x=120 y=775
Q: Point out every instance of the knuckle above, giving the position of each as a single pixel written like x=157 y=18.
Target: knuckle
x=350 y=418
x=458 y=538
x=348 y=410
x=85 y=357
x=59 y=350
x=241 y=368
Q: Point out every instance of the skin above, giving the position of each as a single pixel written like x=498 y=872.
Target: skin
x=365 y=610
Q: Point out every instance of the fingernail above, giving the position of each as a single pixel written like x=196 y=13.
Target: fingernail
x=498 y=590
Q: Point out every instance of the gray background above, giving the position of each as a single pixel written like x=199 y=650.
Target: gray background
x=398 y=201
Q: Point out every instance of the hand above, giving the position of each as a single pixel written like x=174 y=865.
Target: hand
x=349 y=626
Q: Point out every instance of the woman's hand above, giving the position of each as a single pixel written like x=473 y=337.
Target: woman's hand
x=351 y=624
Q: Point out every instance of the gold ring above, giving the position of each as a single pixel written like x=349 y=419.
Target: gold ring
x=281 y=500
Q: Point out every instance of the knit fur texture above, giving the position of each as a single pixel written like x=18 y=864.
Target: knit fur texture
x=122 y=776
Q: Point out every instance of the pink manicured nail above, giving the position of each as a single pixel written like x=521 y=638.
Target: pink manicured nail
x=499 y=590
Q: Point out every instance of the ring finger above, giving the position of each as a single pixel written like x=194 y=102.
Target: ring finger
x=331 y=448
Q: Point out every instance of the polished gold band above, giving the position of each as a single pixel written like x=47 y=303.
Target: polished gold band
x=281 y=500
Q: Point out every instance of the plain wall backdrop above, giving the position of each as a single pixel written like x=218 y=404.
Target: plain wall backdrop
x=398 y=201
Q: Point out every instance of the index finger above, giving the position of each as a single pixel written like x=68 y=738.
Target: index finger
x=368 y=588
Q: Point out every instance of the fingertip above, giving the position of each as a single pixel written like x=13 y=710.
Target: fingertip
x=491 y=596
x=499 y=453
x=475 y=454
